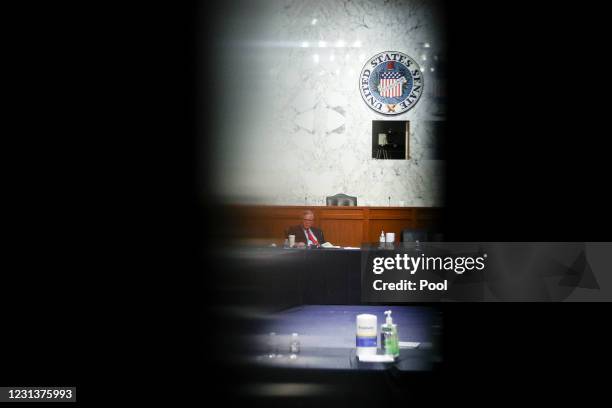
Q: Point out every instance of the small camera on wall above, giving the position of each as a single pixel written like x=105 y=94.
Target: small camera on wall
x=390 y=139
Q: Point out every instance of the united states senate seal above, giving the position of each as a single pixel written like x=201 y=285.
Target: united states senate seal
x=391 y=82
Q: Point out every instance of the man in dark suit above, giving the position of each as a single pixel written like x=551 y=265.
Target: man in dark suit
x=305 y=233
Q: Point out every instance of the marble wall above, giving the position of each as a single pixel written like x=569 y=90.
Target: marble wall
x=295 y=128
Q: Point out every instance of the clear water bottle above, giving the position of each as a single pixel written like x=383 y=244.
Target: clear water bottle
x=417 y=247
x=272 y=345
x=294 y=346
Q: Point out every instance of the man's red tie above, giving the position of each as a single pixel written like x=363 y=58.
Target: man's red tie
x=311 y=237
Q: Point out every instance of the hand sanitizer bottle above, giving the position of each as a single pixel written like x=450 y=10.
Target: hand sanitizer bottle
x=272 y=345
x=382 y=237
x=294 y=346
x=389 y=340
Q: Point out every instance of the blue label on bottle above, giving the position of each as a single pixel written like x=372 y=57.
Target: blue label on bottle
x=363 y=341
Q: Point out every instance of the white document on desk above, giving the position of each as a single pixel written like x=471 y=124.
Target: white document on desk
x=375 y=358
x=329 y=245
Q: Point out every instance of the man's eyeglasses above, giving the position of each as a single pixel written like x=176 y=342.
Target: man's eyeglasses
x=306 y=219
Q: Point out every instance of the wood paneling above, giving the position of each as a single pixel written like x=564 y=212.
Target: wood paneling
x=392 y=213
x=342 y=232
x=396 y=226
x=354 y=213
x=346 y=226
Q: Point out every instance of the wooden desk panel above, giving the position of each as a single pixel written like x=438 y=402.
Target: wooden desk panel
x=343 y=232
x=345 y=226
x=389 y=213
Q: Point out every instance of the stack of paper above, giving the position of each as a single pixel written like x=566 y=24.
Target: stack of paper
x=329 y=245
x=409 y=344
x=376 y=358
